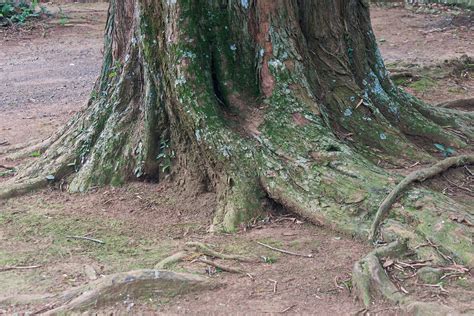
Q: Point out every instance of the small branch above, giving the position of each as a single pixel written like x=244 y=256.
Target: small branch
x=86 y=238
x=275 y=285
x=419 y=175
x=19 y=268
x=7 y=167
x=285 y=251
x=288 y=309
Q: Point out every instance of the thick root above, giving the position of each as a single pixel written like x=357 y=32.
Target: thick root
x=419 y=175
x=13 y=148
x=26 y=152
x=369 y=277
x=25 y=299
x=12 y=189
x=462 y=104
x=133 y=284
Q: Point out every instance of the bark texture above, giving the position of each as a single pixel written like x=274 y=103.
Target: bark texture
x=280 y=99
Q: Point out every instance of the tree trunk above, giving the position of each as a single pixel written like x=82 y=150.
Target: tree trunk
x=254 y=99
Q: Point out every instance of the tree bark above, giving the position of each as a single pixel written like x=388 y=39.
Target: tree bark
x=280 y=99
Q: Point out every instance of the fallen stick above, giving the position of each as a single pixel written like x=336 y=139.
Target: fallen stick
x=285 y=251
x=86 y=238
x=288 y=309
x=222 y=267
x=420 y=176
x=6 y=167
x=275 y=285
x=8 y=268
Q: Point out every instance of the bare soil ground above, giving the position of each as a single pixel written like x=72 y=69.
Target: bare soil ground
x=47 y=72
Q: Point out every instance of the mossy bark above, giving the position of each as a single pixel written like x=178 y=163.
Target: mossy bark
x=286 y=99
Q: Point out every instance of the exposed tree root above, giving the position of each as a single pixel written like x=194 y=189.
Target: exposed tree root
x=26 y=152
x=196 y=249
x=115 y=287
x=206 y=250
x=418 y=175
x=369 y=278
x=403 y=75
x=222 y=267
x=16 y=189
x=168 y=261
x=11 y=148
x=458 y=104
x=25 y=299
x=370 y=281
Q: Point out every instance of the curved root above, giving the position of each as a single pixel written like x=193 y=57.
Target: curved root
x=168 y=261
x=419 y=175
x=120 y=286
x=369 y=277
x=222 y=267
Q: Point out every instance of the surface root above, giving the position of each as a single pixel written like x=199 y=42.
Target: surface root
x=120 y=286
x=418 y=175
x=206 y=250
x=370 y=280
x=9 y=190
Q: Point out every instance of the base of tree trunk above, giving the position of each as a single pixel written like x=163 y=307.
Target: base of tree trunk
x=261 y=100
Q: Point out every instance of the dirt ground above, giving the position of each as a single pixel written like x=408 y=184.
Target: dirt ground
x=46 y=74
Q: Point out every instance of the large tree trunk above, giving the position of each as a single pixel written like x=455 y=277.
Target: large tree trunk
x=253 y=99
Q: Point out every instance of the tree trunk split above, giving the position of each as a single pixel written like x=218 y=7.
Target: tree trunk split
x=287 y=100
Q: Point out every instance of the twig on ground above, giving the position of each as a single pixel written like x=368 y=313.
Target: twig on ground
x=469 y=171
x=7 y=167
x=8 y=268
x=418 y=175
x=457 y=185
x=439 y=285
x=288 y=309
x=275 y=285
x=86 y=238
x=336 y=283
x=413 y=165
x=285 y=251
